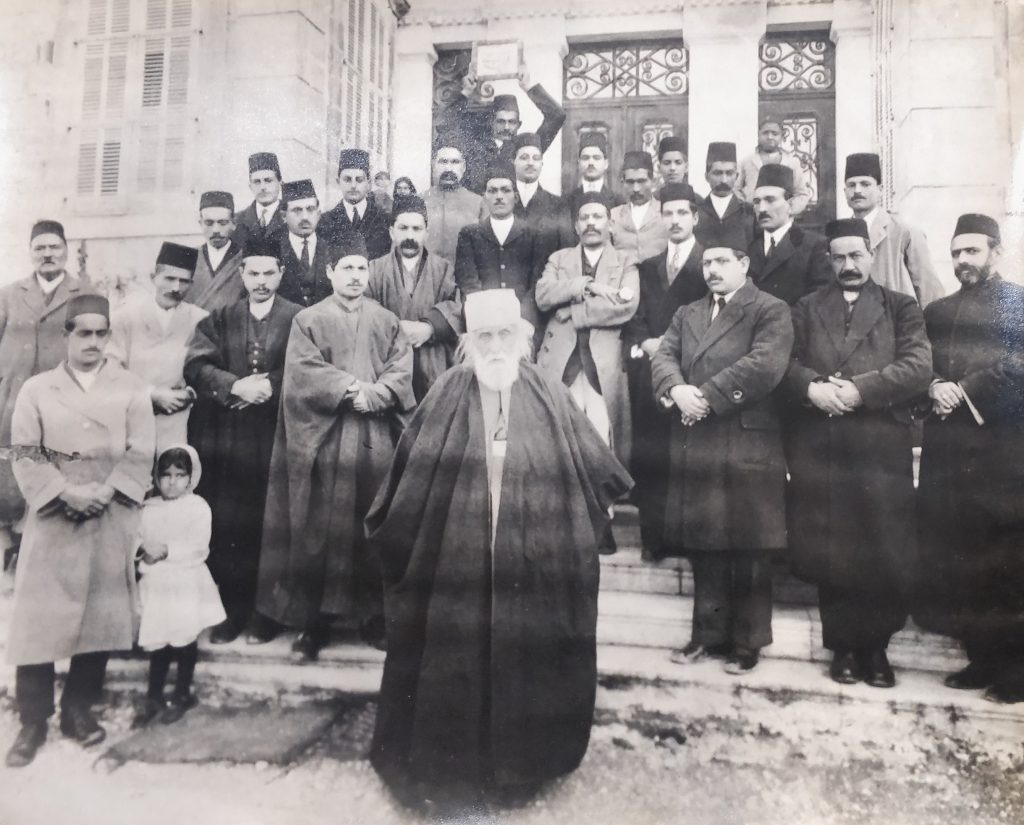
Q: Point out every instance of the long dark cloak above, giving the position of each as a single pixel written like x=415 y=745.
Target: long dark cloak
x=491 y=666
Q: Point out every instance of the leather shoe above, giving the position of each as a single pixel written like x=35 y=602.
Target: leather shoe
x=177 y=707
x=696 y=652
x=261 y=630
x=307 y=644
x=876 y=669
x=844 y=668
x=742 y=661
x=79 y=724
x=29 y=740
x=227 y=631
x=972 y=677
x=373 y=631
x=1004 y=693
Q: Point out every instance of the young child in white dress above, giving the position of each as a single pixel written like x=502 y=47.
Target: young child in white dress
x=179 y=597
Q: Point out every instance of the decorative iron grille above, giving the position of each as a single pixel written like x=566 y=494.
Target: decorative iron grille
x=652 y=134
x=796 y=65
x=626 y=71
x=800 y=136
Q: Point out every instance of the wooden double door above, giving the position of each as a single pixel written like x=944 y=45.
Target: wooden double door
x=628 y=124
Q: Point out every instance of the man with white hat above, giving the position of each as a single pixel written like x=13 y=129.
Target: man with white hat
x=487 y=529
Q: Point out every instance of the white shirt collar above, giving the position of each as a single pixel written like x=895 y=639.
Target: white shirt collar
x=593 y=185
x=49 y=287
x=778 y=234
x=721 y=203
x=86 y=379
x=685 y=248
x=261 y=311
x=358 y=207
x=714 y=301
x=869 y=218
x=501 y=227
x=217 y=256
x=639 y=213
x=296 y=242
x=270 y=209
x=593 y=255
x=165 y=316
x=526 y=191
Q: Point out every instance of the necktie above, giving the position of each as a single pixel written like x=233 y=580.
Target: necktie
x=304 y=260
x=676 y=264
x=355 y=218
x=263 y=218
x=771 y=245
x=718 y=307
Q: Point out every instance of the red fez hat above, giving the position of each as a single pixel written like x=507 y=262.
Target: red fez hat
x=259 y=161
x=86 y=303
x=593 y=197
x=775 y=174
x=222 y=199
x=638 y=160
x=261 y=247
x=525 y=139
x=500 y=169
x=505 y=103
x=408 y=203
x=726 y=237
x=721 y=152
x=596 y=140
x=847 y=228
x=295 y=190
x=451 y=138
x=349 y=242
x=46 y=227
x=678 y=192
x=863 y=165
x=354 y=159
x=672 y=143
x=974 y=223
x=178 y=256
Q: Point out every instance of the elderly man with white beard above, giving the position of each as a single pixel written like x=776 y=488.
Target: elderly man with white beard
x=487 y=529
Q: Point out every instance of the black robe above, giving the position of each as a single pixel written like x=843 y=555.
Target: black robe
x=652 y=428
x=235 y=445
x=971 y=494
x=491 y=667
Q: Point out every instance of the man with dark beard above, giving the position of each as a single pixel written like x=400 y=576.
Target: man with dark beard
x=860 y=357
x=450 y=206
x=972 y=516
x=487 y=529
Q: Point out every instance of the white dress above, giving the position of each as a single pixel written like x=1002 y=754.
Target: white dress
x=179 y=597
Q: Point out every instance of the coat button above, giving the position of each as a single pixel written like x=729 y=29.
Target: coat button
x=839 y=375
x=549 y=334
x=737 y=395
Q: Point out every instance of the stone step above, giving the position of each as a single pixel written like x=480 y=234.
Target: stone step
x=626 y=571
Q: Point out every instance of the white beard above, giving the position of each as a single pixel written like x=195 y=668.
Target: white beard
x=497 y=374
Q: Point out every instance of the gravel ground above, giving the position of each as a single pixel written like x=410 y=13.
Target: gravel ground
x=642 y=767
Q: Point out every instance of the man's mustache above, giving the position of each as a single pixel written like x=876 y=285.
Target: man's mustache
x=409 y=243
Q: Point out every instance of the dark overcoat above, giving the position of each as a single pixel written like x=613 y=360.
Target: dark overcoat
x=491 y=667
x=970 y=497
x=852 y=486
x=728 y=474
x=374 y=226
x=739 y=215
x=234 y=445
x=798 y=266
x=304 y=288
x=483 y=263
x=652 y=424
x=247 y=225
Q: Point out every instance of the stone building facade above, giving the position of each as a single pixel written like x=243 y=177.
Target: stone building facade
x=118 y=113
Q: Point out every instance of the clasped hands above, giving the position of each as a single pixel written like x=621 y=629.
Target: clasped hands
x=83 y=501
x=946 y=396
x=357 y=396
x=690 y=402
x=418 y=332
x=250 y=390
x=169 y=400
x=837 y=396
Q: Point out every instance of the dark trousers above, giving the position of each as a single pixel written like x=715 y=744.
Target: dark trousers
x=34 y=686
x=860 y=620
x=732 y=598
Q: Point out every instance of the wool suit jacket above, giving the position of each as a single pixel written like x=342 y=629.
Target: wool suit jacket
x=247 y=224
x=547 y=216
x=299 y=287
x=738 y=215
x=374 y=226
x=644 y=241
x=481 y=262
x=798 y=266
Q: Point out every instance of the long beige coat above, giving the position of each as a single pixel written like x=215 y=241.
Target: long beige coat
x=645 y=241
x=142 y=346
x=560 y=291
x=31 y=341
x=902 y=261
x=75 y=586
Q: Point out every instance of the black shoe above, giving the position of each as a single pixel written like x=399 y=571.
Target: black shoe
x=148 y=711
x=307 y=645
x=261 y=630
x=696 y=652
x=844 y=668
x=374 y=632
x=78 y=723
x=177 y=707
x=30 y=739
x=973 y=677
x=227 y=631
x=1005 y=693
x=743 y=661
x=875 y=668
x=607 y=546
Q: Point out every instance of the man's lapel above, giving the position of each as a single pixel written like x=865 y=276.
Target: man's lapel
x=831 y=312
x=784 y=250
x=727 y=318
x=878 y=231
x=867 y=312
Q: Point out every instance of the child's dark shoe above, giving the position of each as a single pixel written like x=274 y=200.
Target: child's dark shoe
x=177 y=707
